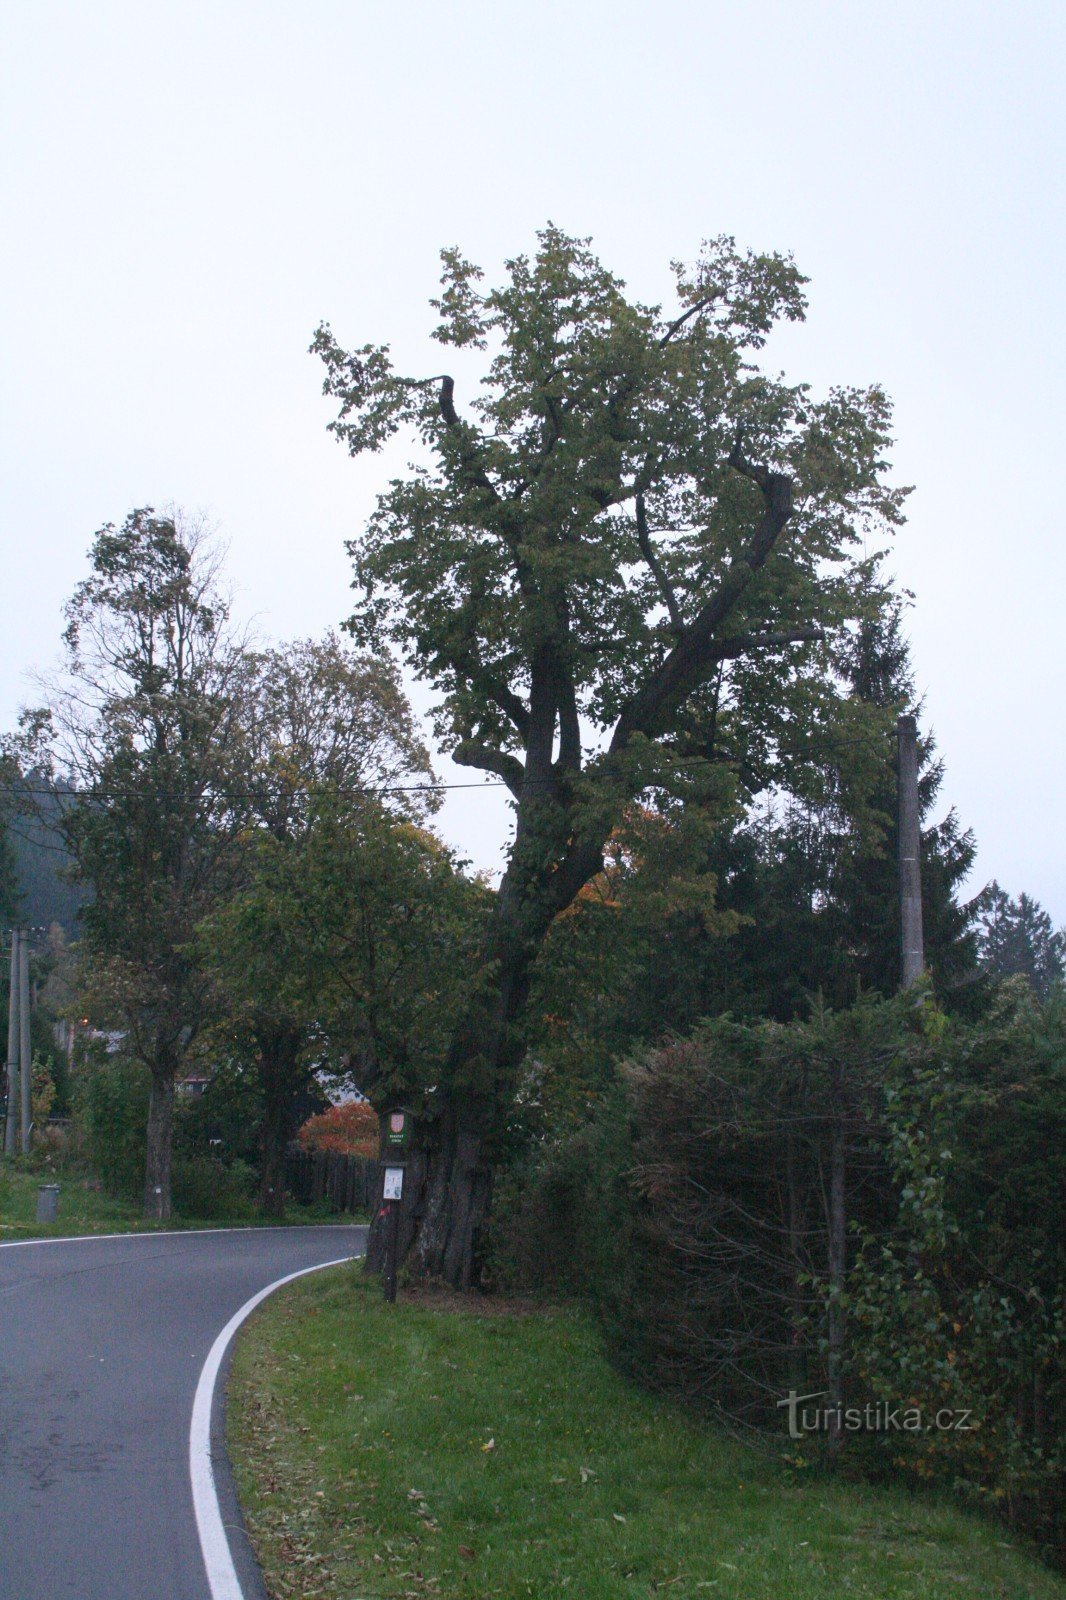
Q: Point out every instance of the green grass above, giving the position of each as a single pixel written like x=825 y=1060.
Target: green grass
x=429 y=1450
x=84 y=1207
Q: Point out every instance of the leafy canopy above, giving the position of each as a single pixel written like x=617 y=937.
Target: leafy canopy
x=629 y=507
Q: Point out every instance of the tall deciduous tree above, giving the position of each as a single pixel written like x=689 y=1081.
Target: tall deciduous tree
x=146 y=728
x=330 y=741
x=629 y=519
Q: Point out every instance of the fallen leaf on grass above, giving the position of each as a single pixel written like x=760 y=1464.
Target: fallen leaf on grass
x=465 y=1550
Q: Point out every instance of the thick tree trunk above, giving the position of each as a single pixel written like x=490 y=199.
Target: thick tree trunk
x=443 y=1216
x=281 y=1080
x=272 y=1142
x=449 y=1208
x=457 y=1194
x=160 y=1140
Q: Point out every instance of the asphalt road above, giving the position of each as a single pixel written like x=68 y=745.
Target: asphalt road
x=102 y=1342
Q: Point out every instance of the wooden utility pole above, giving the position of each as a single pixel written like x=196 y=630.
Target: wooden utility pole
x=910 y=868
x=24 y=1042
x=11 y=1122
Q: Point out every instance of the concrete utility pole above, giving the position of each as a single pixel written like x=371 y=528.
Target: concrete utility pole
x=910 y=868
x=24 y=1041
x=12 y=1049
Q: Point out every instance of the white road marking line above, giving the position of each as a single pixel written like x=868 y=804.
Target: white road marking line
x=214 y=1543
x=170 y=1233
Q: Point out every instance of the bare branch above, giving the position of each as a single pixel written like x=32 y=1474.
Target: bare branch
x=687 y=662
x=686 y=316
x=741 y=464
x=728 y=649
x=647 y=550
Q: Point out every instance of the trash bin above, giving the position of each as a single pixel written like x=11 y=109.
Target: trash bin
x=47 y=1202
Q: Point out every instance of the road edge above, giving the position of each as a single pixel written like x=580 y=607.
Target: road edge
x=219 y=1565
x=176 y=1233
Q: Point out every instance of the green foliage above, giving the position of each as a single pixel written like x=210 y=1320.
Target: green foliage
x=702 y=910
x=698 y=1217
x=334 y=764
x=812 y=875
x=111 y=1113
x=962 y=1298
x=224 y=1119
x=42 y=1091
x=1018 y=938
x=9 y=885
x=213 y=1190
x=623 y=571
x=361 y=935
x=144 y=727
x=143 y=730
x=43 y=881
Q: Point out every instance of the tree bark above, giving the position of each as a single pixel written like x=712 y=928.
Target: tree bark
x=272 y=1141
x=455 y=1200
x=160 y=1139
x=447 y=1204
x=281 y=1080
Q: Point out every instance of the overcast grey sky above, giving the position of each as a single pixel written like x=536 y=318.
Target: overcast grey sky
x=189 y=188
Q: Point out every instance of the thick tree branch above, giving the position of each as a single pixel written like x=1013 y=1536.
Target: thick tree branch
x=647 y=550
x=468 y=447
x=686 y=316
x=741 y=464
x=728 y=649
x=471 y=753
x=569 y=727
x=484 y=681
x=694 y=652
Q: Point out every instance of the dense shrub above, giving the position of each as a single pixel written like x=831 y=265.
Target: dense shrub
x=111 y=1116
x=866 y=1205
x=212 y=1191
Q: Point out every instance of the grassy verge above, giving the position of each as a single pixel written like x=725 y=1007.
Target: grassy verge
x=85 y=1208
x=432 y=1450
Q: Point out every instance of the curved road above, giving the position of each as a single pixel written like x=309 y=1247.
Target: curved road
x=102 y=1343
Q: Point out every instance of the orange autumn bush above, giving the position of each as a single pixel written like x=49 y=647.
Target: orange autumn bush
x=348 y=1130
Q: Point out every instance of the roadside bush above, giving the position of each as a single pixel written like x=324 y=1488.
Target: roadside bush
x=866 y=1206
x=206 y=1188
x=111 y=1118
x=563 y=1217
x=962 y=1298
x=42 y=1092
x=223 y=1121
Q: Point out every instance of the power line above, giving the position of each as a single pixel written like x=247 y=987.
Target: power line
x=35 y=787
